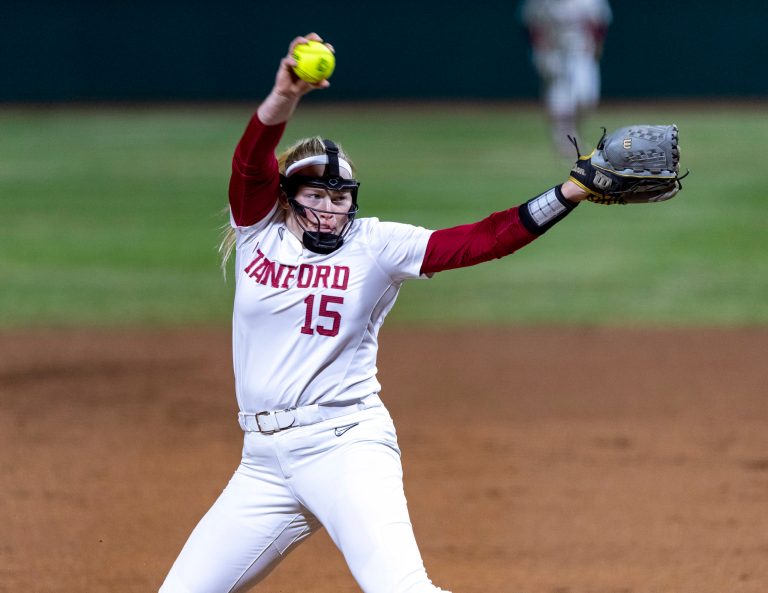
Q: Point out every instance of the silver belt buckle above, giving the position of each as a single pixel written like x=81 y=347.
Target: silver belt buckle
x=274 y=421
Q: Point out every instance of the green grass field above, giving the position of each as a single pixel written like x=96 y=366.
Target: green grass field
x=111 y=216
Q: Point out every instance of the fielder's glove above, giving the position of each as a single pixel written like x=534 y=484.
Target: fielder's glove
x=633 y=165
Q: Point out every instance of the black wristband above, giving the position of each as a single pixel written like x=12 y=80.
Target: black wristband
x=539 y=214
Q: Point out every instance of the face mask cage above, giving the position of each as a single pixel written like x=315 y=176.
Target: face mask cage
x=331 y=180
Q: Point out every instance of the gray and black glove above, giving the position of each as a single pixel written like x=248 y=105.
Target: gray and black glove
x=632 y=165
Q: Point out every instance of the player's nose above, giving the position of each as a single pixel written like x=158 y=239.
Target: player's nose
x=327 y=206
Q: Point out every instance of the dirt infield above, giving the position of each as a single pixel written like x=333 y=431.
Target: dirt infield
x=536 y=461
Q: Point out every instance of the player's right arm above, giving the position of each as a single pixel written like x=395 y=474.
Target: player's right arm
x=255 y=183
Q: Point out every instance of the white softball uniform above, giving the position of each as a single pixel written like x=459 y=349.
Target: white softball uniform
x=304 y=344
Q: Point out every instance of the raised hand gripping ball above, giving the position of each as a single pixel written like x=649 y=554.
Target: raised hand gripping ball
x=315 y=62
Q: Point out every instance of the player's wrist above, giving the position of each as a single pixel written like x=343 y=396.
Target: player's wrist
x=541 y=213
x=572 y=192
x=277 y=107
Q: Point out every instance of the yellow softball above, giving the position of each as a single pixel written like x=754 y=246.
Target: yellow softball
x=314 y=61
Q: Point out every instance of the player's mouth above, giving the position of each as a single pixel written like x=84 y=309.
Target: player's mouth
x=324 y=228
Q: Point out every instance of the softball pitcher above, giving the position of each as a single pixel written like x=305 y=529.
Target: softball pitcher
x=313 y=285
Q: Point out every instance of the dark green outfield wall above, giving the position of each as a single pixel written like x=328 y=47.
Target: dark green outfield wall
x=228 y=50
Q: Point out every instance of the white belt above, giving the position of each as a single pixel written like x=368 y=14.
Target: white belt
x=269 y=422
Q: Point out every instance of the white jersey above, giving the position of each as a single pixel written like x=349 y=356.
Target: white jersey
x=305 y=325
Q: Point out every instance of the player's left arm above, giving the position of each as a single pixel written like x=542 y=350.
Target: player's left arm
x=501 y=233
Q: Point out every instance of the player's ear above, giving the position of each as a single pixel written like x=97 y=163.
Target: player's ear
x=283 y=200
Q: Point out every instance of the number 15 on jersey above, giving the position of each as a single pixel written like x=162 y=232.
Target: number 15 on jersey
x=328 y=318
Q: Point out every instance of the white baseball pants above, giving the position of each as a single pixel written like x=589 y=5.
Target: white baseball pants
x=343 y=474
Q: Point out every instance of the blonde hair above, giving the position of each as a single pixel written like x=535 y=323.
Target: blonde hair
x=302 y=149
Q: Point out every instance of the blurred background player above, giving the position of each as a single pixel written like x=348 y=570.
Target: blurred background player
x=566 y=39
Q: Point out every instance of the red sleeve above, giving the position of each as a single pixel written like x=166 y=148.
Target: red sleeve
x=255 y=182
x=496 y=236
